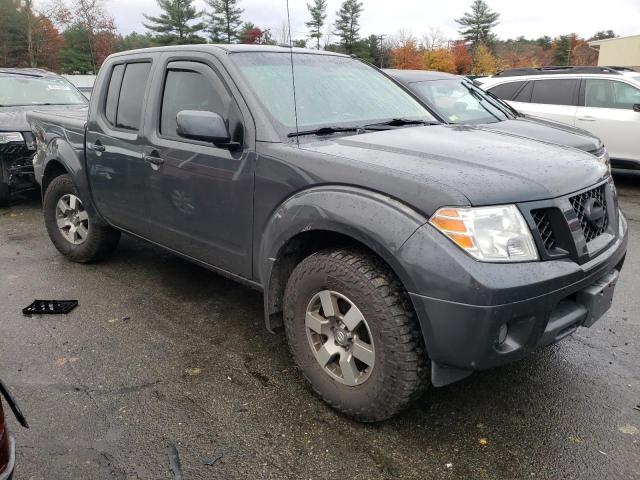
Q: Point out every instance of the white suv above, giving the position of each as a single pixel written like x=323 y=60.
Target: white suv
x=601 y=100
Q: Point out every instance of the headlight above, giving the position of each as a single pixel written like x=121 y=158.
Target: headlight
x=603 y=157
x=6 y=137
x=488 y=234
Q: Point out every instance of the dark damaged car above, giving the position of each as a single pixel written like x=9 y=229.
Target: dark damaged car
x=21 y=91
x=396 y=251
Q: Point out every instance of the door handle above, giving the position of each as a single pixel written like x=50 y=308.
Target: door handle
x=153 y=160
x=97 y=147
x=587 y=118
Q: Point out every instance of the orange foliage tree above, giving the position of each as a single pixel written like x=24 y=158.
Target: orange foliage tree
x=440 y=59
x=461 y=58
x=407 y=56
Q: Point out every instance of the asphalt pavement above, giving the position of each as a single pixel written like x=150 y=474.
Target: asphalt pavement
x=162 y=352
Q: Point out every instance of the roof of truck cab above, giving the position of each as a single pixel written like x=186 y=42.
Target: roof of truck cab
x=412 y=76
x=234 y=48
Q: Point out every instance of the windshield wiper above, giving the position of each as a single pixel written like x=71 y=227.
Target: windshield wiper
x=503 y=103
x=324 y=131
x=399 y=122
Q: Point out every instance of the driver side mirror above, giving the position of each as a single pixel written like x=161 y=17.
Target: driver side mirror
x=636 y=107
x=204 y=126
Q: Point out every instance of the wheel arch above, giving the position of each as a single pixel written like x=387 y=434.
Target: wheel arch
x=331 y=217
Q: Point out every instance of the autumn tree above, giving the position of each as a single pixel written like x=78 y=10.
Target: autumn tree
x=476 y=25
x=562 y=50
x=347 y=25
x=46 y=43
x=462 y=58
x=177 y=24
x=318 y=12
x=484 y=63
x=440 y=60
x=406 y=55
x=91 y=23
x=251 y=34
x=224 y=21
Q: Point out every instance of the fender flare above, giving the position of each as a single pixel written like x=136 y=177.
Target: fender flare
x=380 y=222
x=69 y=153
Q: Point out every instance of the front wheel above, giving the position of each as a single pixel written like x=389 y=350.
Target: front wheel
x=70 y=226
x=353 y=334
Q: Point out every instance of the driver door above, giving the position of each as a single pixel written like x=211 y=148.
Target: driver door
x=201 y=195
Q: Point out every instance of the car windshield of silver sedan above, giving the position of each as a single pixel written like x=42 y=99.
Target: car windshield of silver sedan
x=458 y=101
x=23 y=90
x=330 y=91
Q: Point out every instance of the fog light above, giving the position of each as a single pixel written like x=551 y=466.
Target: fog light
x=502 y=333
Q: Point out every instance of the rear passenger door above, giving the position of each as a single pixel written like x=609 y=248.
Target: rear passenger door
x=607 y=110
x=201 y=194
x=114 y=146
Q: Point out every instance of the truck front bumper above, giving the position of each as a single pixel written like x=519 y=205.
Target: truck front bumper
x=549 y=301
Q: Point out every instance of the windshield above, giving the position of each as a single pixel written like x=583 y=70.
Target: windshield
x=21 y=90
x=459 y=101
x=330 y=91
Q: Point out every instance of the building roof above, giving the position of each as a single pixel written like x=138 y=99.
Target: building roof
x=412 y=76
x=597 y=43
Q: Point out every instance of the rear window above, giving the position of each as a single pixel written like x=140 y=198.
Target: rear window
x=134 y=84
x=554 y=92
x=506 y=91
x=111 y=104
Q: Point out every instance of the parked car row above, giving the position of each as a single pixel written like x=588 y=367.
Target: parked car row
x=403 y=234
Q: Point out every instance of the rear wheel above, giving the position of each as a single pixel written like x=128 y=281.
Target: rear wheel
x=70 y=226
x=354 y=335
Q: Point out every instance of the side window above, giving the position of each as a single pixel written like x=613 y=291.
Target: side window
x=524 y=95
x=598 y=93
x=190 y=90
x=506 y=91
x=554 y=92
x=111 y=102
x=134 y=84
x=625 y=95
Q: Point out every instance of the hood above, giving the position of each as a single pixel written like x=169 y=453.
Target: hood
x=546 y=131
x=14 y=119
x=486 y=167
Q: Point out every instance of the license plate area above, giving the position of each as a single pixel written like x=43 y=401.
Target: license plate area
x=597 y=298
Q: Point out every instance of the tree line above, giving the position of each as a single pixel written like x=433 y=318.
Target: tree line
x=75 y=36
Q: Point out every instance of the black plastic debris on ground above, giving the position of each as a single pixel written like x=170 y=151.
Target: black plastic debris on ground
x=174 y=462
x=50 y=307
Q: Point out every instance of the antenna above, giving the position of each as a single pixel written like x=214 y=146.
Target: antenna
x=293 y=76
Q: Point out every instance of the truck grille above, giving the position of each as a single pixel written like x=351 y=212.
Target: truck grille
x=543 y=224
x=578 y=203
x=18 y=149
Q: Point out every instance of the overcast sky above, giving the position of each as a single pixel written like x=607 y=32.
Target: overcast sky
x=532 y=18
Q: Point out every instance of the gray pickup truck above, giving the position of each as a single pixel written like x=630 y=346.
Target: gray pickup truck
x=396 y=252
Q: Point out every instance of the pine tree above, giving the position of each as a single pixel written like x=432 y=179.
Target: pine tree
x=318 y=13
x=477 y=25
x=348 y=24
x=174 y=25
x=225 y=20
